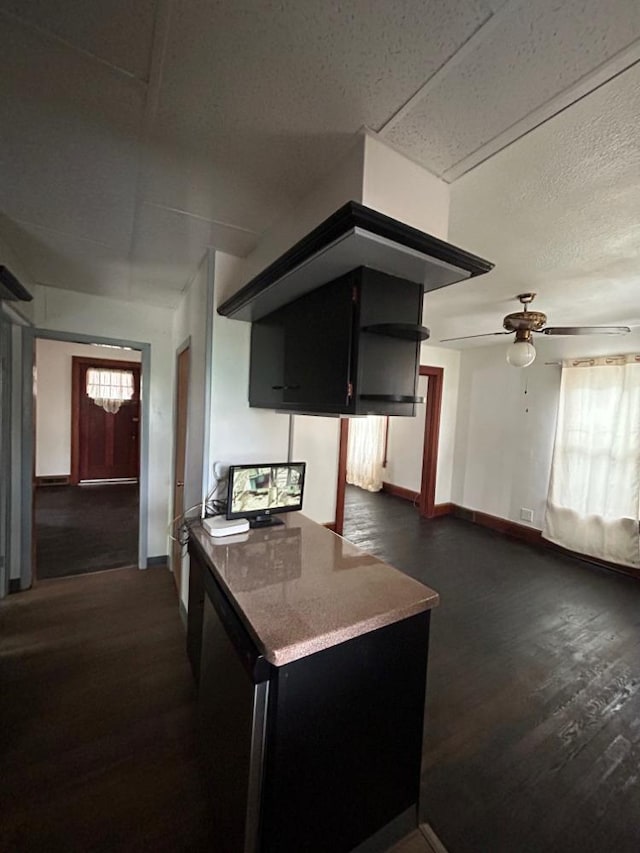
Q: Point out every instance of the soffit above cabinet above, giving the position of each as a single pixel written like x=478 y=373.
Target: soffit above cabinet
x=354 y=236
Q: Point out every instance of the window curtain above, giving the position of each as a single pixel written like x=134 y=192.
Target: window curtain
x=109 y=388
x=365 y=452
x=593 y=504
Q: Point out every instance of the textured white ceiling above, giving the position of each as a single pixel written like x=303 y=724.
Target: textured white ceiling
x=117 y=32
x=559 y=214
x=134 y=135
x=534 y=51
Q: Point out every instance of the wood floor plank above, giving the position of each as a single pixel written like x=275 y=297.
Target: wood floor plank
x=97 y=719
x=85 y=528
x=532 y=741
x=533 y=705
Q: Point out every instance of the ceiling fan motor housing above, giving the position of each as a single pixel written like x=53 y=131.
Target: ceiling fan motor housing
x=531 y=321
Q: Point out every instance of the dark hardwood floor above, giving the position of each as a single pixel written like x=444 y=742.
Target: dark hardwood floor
x=533 y=711
x=533 y=714
x=96 y=719
x=97 y=714
x=87 y=528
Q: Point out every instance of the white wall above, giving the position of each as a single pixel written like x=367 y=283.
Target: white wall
x=405 y=446
x=398 y=187
x=316 y=441
x=406 y=436
x=68 y=311
x=506 y=424
x=238 y=433
x=504 y=439
x=342 y=184
x=53 y=408
x=190 y=323
x=449 y=360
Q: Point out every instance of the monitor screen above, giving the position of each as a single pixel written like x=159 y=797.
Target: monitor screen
x=257 y=491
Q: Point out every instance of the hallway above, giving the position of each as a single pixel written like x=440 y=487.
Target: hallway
x=87 y=528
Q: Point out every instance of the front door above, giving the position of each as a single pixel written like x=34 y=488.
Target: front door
x=105 y=444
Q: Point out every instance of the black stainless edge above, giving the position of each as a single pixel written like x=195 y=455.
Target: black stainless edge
x=256 y=767
x=404 y=331
x=391 y=398
x=349 y=216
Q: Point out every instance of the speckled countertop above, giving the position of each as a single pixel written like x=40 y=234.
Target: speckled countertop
x=300 y=588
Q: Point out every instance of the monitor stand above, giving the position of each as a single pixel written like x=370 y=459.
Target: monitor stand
x=264 y=521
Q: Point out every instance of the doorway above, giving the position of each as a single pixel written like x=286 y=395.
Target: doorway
x=105 y=438
x=87 y=458
x=410 y=455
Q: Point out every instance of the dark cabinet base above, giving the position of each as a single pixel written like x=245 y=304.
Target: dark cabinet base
x=317 y=755
x=344 y=740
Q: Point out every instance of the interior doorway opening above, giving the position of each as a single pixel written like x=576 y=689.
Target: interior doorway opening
x=407 y=456
x=86 y=461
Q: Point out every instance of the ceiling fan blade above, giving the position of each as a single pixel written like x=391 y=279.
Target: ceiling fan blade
x=466 y=337
x=585 y=330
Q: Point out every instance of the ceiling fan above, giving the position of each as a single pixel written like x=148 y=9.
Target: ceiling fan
x=525 y=323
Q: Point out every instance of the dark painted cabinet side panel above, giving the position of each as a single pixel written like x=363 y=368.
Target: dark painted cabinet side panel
x=345 y=733
x=194 y=614
x=388 y=365
x=225 y=724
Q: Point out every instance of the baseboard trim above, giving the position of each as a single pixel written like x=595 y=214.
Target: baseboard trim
x=442 y=509
x=409 y=495
x=533 y=536
x=162 y=560
x=501 y=525
x=400 y=492
x=54 y=480
x=432 y=839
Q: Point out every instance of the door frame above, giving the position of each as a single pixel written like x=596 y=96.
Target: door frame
x=77 y=362
x=433 y=404
x=184 y=346
x=6 y=409
x=427 y=497
x=29 y=337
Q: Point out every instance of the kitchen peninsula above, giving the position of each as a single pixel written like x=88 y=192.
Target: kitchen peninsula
x=311 y=658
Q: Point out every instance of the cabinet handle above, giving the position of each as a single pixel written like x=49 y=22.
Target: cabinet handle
x=285 y=387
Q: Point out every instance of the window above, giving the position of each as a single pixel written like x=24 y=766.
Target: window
x=109 y=388
x=593 y=504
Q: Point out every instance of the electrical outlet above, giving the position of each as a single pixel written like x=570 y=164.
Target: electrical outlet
x=526 y=514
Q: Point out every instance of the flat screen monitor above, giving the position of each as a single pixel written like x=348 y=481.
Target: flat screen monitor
x=258 y=492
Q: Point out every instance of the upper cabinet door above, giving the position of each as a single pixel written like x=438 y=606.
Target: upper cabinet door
x=266 y=373
x=318 y=348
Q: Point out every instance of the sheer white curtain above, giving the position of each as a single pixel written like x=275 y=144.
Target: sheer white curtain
x=109 y=388
x=365 y=452
x=594 y=494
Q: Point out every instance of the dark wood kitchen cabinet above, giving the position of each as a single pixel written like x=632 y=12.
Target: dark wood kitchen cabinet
x=312 y=672
x=349 y=347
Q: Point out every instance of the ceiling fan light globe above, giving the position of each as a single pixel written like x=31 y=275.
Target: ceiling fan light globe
x=521 y=354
